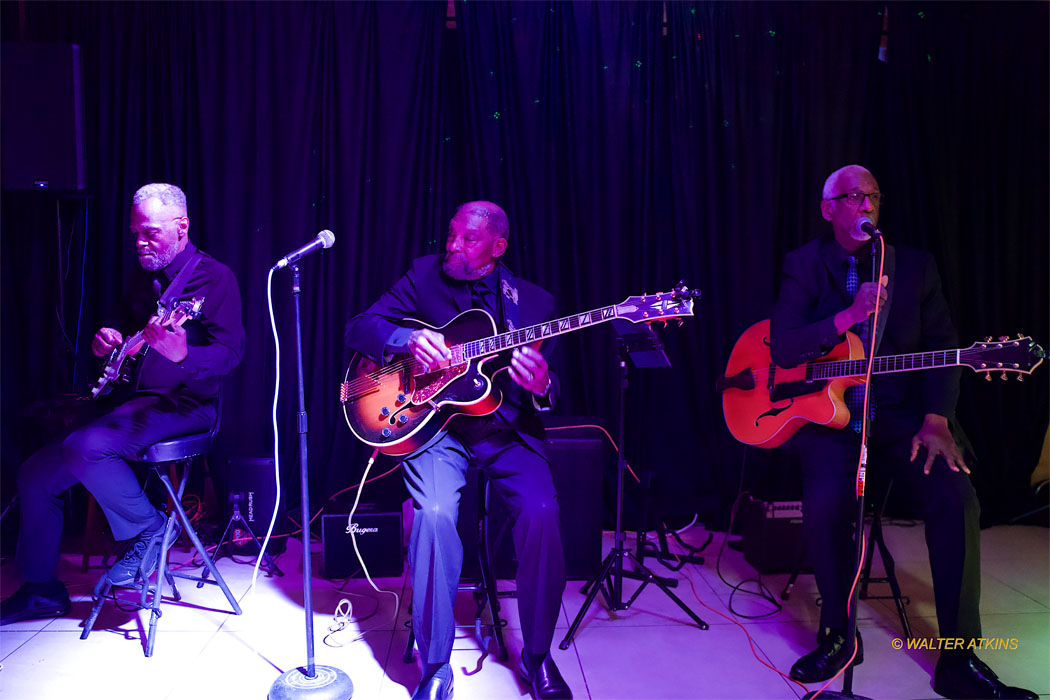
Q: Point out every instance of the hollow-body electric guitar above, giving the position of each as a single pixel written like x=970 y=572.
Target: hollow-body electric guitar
x=399 y=407
x=764 y=405
x=119 y=365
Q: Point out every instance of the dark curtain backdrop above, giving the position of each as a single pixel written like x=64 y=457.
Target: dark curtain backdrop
x=632 y=145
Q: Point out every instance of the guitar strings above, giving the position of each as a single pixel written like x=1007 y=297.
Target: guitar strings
x=835 y=365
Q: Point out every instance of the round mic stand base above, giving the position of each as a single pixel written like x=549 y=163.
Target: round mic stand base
x=833 y=694
x=328 y=683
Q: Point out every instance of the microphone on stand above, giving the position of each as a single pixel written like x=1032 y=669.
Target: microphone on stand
x=866 y=226
x=324 y=239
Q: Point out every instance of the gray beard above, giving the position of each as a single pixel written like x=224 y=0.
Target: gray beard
x=464 y=271
x=152 y=263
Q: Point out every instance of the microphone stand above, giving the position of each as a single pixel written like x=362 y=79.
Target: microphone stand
x=314 y=681
x=858 y=530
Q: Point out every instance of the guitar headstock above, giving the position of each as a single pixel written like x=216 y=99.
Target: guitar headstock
x=1020 y=356
x=180 y=311
x=677 y=303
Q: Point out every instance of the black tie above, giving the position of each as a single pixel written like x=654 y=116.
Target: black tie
x=481 y=297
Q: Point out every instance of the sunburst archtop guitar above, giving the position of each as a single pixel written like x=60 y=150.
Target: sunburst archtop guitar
x=400 y=408
x=764 y=405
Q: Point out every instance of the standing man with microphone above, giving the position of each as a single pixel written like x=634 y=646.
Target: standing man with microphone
x=174 y=394
x=911 y=440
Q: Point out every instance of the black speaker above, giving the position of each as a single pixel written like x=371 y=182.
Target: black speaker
x=578 y=459
x=771 y=534
x=378 y=537
x=250 y=486
x=43 y=134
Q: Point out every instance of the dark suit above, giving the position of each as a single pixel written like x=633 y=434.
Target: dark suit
x=170 y=400
x=914 y=318
x=508 y=445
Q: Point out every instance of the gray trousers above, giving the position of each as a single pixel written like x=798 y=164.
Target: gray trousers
x=435 y=478
x=95 y=455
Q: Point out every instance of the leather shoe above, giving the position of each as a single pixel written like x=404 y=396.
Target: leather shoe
x=436 y=687
x=34 y=601
x=963 y=675
x=545 y=680
x=827 y=659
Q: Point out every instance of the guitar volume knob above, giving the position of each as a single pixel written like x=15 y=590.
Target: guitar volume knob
x=385 y=411
x=402 y=419
x=401 y=398
x=386 y=432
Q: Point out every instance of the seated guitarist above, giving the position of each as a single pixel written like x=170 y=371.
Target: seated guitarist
x=508 y=444
x=178 y=381
x=822 y=295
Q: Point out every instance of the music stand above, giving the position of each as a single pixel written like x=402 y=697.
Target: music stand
x=643 y=346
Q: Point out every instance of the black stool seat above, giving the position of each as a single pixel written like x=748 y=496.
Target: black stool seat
x=177 y=449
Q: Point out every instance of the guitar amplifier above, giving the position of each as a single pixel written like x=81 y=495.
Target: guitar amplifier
x=772 y=537
x=378 y=537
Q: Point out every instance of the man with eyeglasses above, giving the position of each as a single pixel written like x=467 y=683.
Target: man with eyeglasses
x=178 y=381
x=821 y=297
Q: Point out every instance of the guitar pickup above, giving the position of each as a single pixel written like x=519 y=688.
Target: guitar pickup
x=789 y=390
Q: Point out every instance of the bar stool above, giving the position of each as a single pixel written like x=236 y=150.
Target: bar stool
x=482 y=587
x=875 y=540
x=161 y=457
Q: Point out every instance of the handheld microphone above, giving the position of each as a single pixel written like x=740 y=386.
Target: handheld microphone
x=324 y=239
x=865 y=227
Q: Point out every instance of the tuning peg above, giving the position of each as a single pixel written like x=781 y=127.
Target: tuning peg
x=987 y=376
x=680 y=322
x=1003 y=338
x=1003 y=376
x=987 y=338
x=1020 y=335
x=1020 y=377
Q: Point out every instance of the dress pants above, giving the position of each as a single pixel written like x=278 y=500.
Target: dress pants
x=97 y=456
x=945 y=500
x=435 y=478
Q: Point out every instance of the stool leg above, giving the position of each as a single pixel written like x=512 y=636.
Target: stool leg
x=488 y=575
x=891 y=578
x=189 y=531
x=99 y=596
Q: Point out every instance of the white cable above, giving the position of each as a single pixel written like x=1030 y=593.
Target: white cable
x=276 y=442
x=353 y=536
x=691 y=523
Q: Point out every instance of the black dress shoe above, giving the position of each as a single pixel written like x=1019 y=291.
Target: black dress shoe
x=827 y=659
x=963 y=675
x=436 y=687
x=34 y=601
x=545 y=680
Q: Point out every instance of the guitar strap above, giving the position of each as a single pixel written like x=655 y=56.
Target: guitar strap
x=177 y=284
x=170 y=295
x=508 y=298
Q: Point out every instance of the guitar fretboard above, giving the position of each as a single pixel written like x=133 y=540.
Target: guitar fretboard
x=523 y=336
x=885 y=364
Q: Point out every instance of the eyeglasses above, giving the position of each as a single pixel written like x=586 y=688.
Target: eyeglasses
x=855 y=198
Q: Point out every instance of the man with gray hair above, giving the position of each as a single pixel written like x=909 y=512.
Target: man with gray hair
x=912 y=437
x=174 y=393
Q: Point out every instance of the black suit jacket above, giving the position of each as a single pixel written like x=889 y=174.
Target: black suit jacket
x=916 y=317
x=426 y=294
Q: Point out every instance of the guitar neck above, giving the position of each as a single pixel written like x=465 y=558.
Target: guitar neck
x=548 y=329
x=887 y=364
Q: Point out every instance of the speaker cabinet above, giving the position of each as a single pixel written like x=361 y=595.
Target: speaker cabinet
x=41 y=89
x=378 y=537
x=250 y=486
x=578 y=459
x=771 y=534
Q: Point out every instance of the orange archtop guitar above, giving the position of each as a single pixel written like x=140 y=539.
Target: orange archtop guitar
x=764 y=405
x=399 y=407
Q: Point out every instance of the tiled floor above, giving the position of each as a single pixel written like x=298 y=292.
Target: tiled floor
x=650 y=650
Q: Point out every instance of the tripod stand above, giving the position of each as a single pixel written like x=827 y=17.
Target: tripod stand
x=235 y=523
x=647 y=352
x=663 y=554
